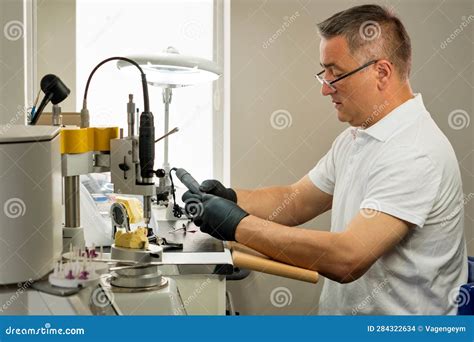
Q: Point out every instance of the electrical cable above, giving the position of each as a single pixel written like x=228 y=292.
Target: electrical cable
x=177 y=211
x=146 y=103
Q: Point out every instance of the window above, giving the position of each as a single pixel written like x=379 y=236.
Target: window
x=108 y=28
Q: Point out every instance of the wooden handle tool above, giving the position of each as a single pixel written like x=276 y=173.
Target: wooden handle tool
x=248 y=258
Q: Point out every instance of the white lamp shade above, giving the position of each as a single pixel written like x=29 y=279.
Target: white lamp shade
x=170 y=69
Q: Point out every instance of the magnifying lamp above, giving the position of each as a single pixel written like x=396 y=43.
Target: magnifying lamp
x=170 y=69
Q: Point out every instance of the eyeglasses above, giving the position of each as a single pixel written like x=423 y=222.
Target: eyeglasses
x=323 y=81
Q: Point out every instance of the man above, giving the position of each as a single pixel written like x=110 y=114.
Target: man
x=392 y=180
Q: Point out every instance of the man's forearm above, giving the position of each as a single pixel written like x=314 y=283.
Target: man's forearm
x=328 y=253
x=274 y=204
x=290 y=205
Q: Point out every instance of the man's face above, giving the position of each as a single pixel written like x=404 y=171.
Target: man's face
x=355 y=95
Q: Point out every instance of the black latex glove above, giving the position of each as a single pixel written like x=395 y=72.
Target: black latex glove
x=215 y=216
x=214 y=187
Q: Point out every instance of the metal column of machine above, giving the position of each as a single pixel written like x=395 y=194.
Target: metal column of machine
x=71 y=201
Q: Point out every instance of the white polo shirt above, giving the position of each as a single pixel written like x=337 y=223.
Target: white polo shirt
x=404 y=166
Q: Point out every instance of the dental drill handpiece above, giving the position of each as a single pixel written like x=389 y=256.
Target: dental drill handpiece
x=191 y=184
x=188 y=181
x=146 y=145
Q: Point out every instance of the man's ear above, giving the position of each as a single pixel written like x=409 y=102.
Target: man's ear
x=384 y=71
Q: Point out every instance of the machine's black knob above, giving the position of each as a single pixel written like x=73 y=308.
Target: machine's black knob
x=160 y=173
x=124 y=167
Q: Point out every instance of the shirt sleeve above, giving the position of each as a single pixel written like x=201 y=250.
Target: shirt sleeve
x=404 y=184
x=323 y=175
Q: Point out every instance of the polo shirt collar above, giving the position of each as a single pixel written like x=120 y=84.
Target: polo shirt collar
x=405 y=113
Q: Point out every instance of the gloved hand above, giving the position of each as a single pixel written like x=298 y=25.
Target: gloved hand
x=215 y=216
x=214 y=187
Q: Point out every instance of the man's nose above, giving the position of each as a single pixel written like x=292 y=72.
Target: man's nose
x=327 y=90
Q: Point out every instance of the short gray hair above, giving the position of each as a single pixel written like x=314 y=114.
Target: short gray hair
x=374 y=32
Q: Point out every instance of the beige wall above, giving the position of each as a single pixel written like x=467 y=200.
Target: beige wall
x=12 y=68
x=270 y=76
x=54 y=28
x=57 y=45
